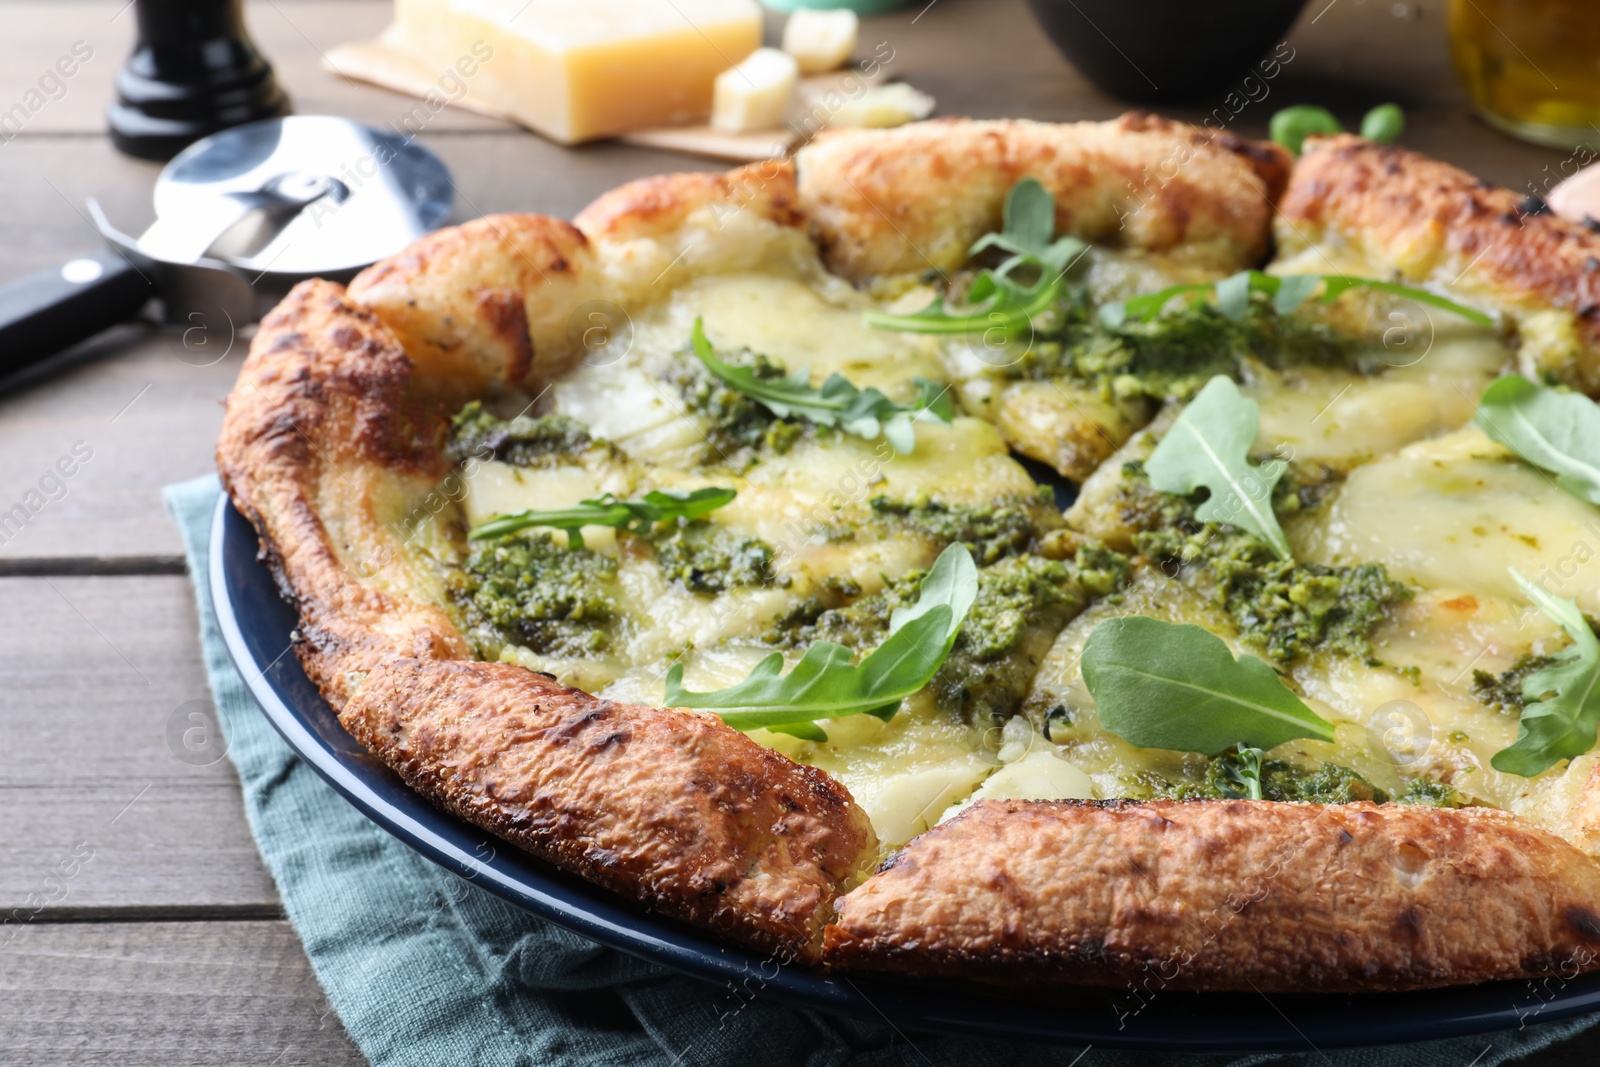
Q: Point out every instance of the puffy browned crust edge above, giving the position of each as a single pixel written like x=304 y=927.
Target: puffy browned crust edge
x=675 y=809
x=1227 y=895
x=1429 y=222
x=649 y=207
x=320 y=413
x=483 y=302
x=914 y=198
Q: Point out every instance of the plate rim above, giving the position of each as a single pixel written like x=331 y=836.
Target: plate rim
x=921 y=1005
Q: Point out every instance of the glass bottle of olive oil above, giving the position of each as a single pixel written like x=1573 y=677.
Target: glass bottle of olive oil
x=1532 y=67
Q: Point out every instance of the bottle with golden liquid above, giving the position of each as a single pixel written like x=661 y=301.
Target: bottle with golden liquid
x=1532 y=67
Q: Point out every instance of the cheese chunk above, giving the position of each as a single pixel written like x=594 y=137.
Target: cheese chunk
x=883 y=106
x=755 y=94
x=820 y=41
x=575 y=70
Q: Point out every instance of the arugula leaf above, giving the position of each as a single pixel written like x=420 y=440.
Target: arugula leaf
x=995 y=301
x=827 y=683
x=633 y=516
x=1242 y=770
x=1176 y=686
x=1029 y=224
x=1553 y=430
x=1288 y=292
x=1563 y=700
x=1209 y=446
x=861 y=412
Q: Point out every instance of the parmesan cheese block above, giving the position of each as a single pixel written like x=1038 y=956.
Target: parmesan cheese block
x=579 y=69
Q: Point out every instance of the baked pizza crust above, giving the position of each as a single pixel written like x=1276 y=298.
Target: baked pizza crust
x=915 y=198
x=675 y=809
x=321 y=427
x=1217 y=895
x=1427 y=223
x=333 y=438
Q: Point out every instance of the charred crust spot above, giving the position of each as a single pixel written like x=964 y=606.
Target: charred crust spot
x=1409 y=922
x=578 y=724
x=1092 y=949
x=1533 y=205
x=286 y=340
x=1345 y=837
x=1591 y=264
x=506 y=316
x=1584 y=922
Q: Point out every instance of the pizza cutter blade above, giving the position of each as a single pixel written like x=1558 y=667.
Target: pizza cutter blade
x=241 y=216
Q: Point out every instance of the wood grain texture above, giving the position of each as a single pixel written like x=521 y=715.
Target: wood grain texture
x=143 y=418
x=101 y=676
x=175 y=994
x=294 y=35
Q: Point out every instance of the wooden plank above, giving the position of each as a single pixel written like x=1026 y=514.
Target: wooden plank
x=103 y=805
x=124 y=423
x=292 y=34
x=173 y=994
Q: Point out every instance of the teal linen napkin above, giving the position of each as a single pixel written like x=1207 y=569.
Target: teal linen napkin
x=426 y=969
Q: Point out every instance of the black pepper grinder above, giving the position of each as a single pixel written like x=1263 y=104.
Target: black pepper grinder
x=194 y=71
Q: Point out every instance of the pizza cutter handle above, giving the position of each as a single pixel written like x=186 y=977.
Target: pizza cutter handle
x=47 y=312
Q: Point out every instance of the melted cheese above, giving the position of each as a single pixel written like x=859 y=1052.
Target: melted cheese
x=621 y=394
x=812 y=504
x=1443 y=508
x=1338 y=417
x=1447 y=515
x=1455 y=513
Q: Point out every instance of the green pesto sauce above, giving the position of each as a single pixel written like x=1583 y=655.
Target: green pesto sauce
x=990 y=533
x=528 y=590
x=740 y=428
x=521 y=441
x=1281 y=607
x=1280 y=780
x=1022 y=602
x=704 y=557
x=1177 y=352
x=1503 y=691
x=1328 y=783
x=1432 y=794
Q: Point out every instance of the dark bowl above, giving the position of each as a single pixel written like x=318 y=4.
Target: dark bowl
x=1164 y=50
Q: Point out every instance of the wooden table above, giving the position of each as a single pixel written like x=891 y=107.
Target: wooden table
x=168 y=946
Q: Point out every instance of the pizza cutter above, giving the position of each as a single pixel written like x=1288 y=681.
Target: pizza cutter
x=241 y=216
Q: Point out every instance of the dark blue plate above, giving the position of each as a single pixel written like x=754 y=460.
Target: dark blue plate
x=257 y=624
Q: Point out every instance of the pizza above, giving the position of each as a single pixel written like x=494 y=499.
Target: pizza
x=711 y=548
